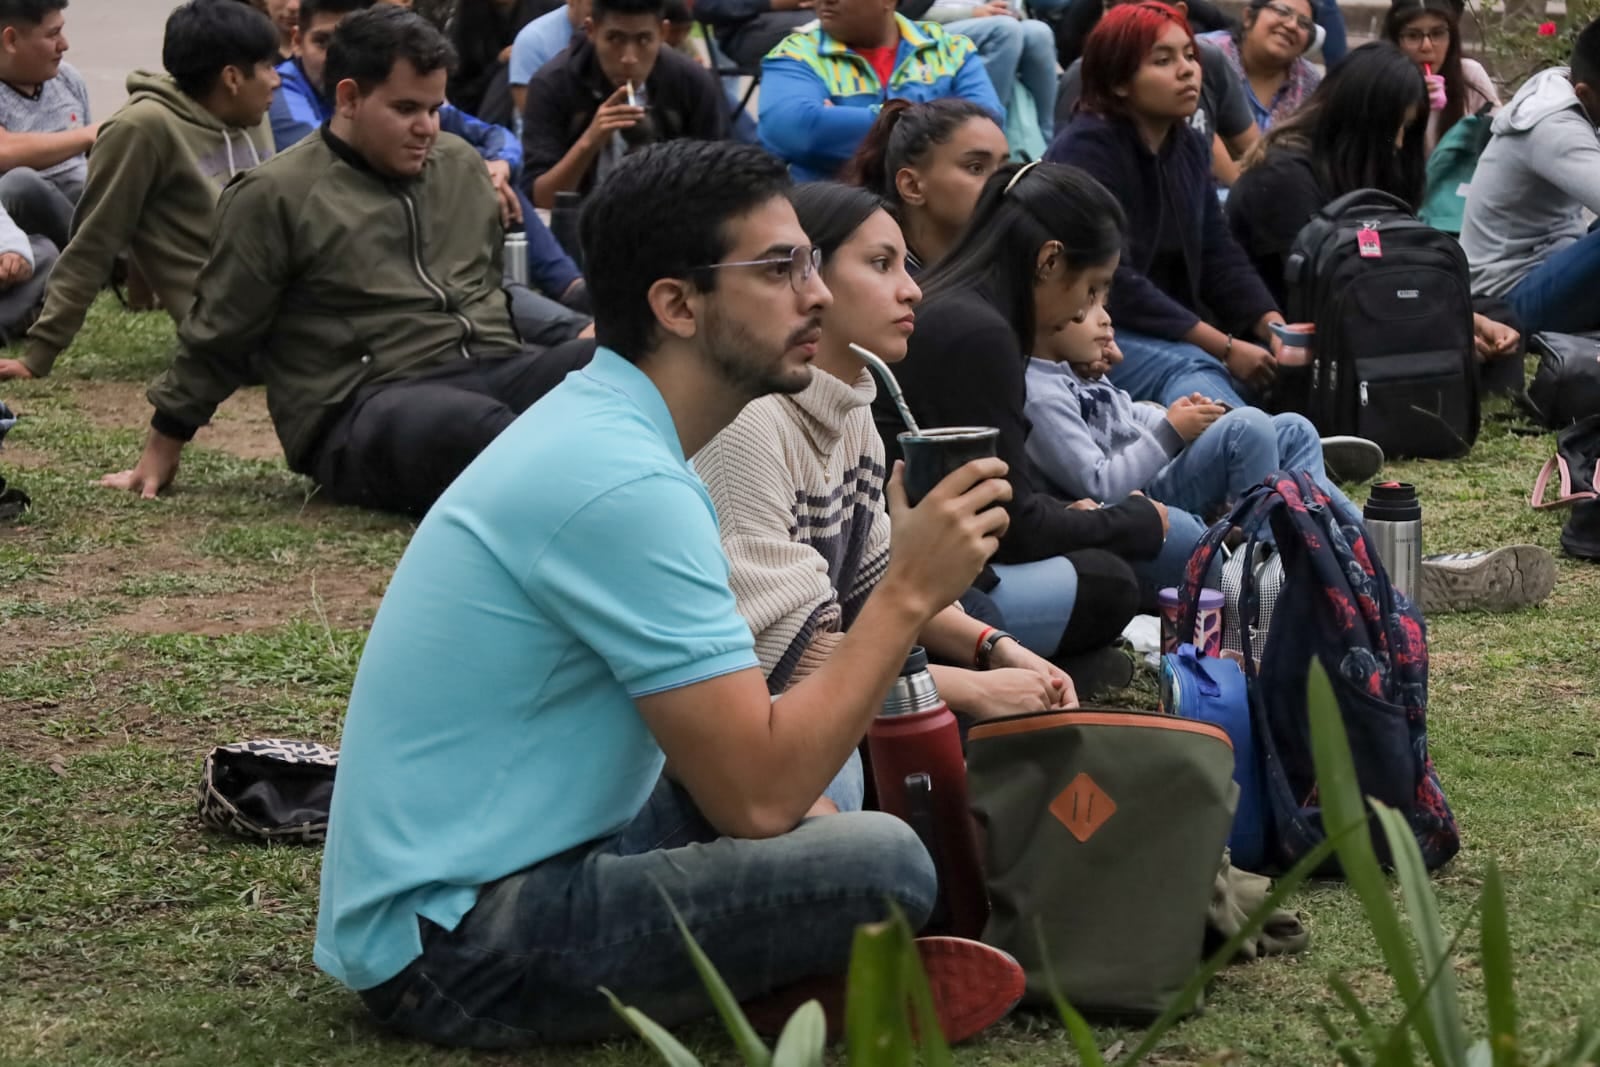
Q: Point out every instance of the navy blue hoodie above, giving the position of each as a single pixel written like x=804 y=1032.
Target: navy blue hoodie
x=1223 y=287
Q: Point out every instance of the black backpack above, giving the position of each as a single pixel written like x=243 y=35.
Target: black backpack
x=1393 y=359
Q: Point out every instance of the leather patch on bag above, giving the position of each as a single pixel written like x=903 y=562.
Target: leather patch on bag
x=1083 y=807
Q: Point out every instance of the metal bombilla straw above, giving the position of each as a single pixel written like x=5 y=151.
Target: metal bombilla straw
x=885 y=375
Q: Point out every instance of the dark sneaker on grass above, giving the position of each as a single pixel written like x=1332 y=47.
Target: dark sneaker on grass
x=1351 y=459
x=1498 y=579
x=974 y=986
x=1097 y=673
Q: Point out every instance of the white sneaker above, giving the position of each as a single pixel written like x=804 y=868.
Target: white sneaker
x=1351 y=459
x=1498 y=579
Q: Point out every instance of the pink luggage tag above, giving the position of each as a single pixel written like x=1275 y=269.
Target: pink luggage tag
x=1368 y=244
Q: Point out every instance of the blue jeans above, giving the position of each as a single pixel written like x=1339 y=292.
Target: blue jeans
x=1558 y=294
x=526 y=963
x=1238 y=451
x=1184 y=530
x=540 y=320
x=849 y=787
x=1163 y=371
x=1013 y=50
x=1036 y=601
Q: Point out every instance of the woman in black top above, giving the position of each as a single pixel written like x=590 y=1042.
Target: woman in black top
x=1191 y=314
x=1043 y=240
x=1364 y=128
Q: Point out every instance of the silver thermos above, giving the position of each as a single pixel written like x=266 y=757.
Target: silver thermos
x=516 y=258
x=1393 y=519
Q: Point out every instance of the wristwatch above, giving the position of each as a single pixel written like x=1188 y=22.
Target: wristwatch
x=986 y=647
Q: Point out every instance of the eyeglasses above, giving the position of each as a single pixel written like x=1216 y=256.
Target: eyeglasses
x=1284 y=11
x=800 y=264
x=1415 y=37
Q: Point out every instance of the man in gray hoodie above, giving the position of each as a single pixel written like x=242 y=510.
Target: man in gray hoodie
x=1524 y=231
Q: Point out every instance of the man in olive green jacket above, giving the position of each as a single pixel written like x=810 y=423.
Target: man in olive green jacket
x=362 y=267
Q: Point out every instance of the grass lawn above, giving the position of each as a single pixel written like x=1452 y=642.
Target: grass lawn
x=135 y=635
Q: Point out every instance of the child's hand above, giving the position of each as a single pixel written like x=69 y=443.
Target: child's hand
x=1191 y=415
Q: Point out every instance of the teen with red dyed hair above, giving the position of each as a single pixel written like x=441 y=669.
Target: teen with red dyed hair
x=1141 y=82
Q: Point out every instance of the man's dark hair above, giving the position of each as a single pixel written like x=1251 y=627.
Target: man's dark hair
x=1586 y=56
x=601 y=8
x=664 y=213
x=368 y=44
x=31 y=12
x=310 y=9
x=203 y=36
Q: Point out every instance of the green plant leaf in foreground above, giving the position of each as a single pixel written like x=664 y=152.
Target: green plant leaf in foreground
x=876 y=1028
x=656 y=1036
x=1443 y=1005
x=886 y=977
x=745 y=1039
x=804 y=1037
x=1077 y=1027
x=1499 y=992
x=1190 y=993
x=1343 y=805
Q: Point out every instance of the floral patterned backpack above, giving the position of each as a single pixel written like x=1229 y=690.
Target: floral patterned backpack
x=1337 y=605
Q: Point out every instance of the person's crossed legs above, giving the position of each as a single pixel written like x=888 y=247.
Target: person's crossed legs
x=400 y=444
x=1237 y=452
x=37 y=205
x=526 y=963
x=999 y=42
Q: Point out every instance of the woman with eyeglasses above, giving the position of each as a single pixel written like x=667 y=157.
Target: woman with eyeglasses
x=798 y=484
x=1192 y=315
x=1429 y=33
x=929 y=162
x=1268 y=51
x=1042 y=242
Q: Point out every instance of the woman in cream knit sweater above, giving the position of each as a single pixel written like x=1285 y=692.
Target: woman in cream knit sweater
x=798 y=482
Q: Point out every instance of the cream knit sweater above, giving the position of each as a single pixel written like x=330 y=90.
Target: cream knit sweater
x=798 y=486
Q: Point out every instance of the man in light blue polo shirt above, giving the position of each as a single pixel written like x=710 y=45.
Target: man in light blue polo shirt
x=539 y=42
x=502 y=840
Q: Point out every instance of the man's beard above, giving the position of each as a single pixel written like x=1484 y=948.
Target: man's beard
x=732 y=351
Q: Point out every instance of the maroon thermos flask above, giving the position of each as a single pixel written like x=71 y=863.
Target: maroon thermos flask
x=921 y=776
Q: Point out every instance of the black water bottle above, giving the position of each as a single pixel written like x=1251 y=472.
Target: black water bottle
x=564 y=224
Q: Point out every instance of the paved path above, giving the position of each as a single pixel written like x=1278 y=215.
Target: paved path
x=108 y=39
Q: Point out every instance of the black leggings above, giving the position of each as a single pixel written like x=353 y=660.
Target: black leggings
x=1107 y=600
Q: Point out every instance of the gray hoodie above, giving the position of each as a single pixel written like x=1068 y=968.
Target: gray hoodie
x=1533 y=182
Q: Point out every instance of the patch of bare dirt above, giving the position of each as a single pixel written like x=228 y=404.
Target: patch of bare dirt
x=169 y=589
x=21 y=458
x=160 y=587
x=240 y=427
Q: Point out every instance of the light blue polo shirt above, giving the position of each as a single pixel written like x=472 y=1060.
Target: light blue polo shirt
x=538 y=43
x=574 y=566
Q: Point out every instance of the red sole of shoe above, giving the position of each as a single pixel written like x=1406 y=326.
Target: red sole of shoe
x=974 y=985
